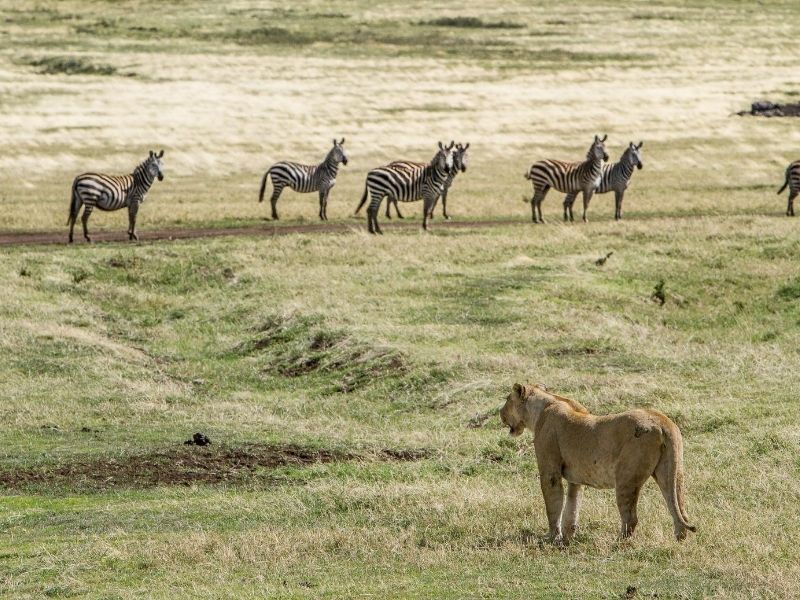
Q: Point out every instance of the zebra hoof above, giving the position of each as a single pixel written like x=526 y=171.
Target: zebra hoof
x=446 y=218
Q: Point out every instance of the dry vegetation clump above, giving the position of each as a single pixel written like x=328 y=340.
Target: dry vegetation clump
x=296 y=345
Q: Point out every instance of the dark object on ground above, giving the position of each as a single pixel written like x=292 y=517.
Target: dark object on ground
x=602 y=260
x=658 y=293
x=770 y=109
x=198 y=439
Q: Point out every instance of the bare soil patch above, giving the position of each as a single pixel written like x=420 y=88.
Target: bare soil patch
x=187 y=465
x=56 y=237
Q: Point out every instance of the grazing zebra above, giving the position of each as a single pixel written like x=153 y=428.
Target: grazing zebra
x=407 y=182
x=616 y=177
x=112 y=192
x=459 y=165
x=567 y=177
x=793 y=181
x=305 y=178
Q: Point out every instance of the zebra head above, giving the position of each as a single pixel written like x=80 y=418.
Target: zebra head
x=337 y=152
x=154 y=166
x=598 y=149
x=460 y=157
x=443 y=161
x=633 y=155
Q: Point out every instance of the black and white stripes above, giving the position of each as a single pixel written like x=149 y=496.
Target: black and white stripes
x=112 y=192
x=567 y=177
x=305 y=178
x=793 y=181
x=407 y=181
x=616 y=177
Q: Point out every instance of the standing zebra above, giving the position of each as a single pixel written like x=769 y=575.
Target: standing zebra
x=112 y=192
x=793 y=181
x=567 y=177
x=459 y=164
x=407 y=182
x=616 y=177
x=305 y=178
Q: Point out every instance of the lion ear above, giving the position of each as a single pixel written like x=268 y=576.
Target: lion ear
x=518 y=389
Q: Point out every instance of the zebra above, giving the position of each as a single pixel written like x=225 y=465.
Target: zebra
x=305 y=178
x=793 y=181
x=407 y=182
x=567 y=177
x=112 y=192
x=459 y=164
x=616 y=178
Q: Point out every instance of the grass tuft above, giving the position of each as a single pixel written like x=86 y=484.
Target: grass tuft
x=65 y=65
x=472 y=23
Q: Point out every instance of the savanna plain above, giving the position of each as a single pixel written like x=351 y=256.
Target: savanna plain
x=350 y=383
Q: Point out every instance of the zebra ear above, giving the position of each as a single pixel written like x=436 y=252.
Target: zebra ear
x=466 y=146
x=342 y=142
x=452 y=143
x=160 y=154
x=605 y=137
x=151 y=154
x=441 y=147
x=640 y=145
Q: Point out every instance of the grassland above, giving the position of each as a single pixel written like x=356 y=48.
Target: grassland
x=350 y=384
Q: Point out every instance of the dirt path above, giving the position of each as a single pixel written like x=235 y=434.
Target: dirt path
x=60 y=237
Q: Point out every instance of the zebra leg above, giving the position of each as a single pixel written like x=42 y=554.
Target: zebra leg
x=133 y=209
x=569 y=200
x=397 y=209
x=276 y=192
x=444 y=204
x=618 y=205
x=323 y=201
x=536 y=204
x=389 y=206
x=587 y=197
x=427 y=210
x=372 y=214
x=790 y=206
x=87 y=211
x=72 y=218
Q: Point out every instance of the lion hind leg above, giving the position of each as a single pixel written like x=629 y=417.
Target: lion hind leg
x=572 y=508
x=632 y=473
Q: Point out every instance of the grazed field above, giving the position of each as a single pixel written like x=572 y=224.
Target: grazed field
x=350 y=384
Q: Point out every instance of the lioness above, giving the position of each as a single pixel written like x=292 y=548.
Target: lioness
x=614 y=451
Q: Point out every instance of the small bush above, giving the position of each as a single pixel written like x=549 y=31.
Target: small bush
x=63 y=65
x=472 y=23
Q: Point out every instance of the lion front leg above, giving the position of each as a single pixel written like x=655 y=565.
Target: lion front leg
x=553 y=492
x=569 y=521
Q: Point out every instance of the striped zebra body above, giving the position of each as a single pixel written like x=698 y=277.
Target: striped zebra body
x=459 y=165
x=406 y=181
x=615 y=178
x=305 y=178
x=793 y=181
x=112 y=192
x=567 y=177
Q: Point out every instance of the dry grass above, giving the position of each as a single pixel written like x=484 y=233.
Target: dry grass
x=354 y=345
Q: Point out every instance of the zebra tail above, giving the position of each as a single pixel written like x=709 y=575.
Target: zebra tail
x=73 y=204
x=528 y=174
x=363 y=200
x=263 y=185
x=785 y=183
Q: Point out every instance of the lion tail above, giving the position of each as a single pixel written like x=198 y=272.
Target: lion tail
x=669 y=474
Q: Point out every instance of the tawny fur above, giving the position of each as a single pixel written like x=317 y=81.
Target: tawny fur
x=620 y=451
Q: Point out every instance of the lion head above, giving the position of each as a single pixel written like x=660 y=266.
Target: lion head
x=512 y=412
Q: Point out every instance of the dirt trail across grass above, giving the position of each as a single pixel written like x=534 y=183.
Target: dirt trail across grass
x=60 y=237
